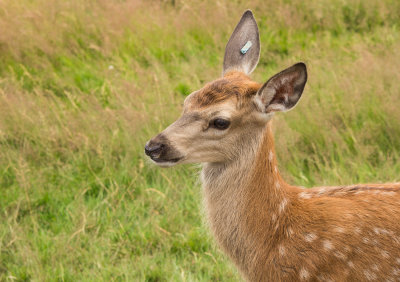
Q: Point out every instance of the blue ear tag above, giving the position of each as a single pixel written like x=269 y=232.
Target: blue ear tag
x=246 y=47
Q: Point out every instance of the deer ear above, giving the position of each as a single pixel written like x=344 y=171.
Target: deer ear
x=243 y=49
x=282 y=91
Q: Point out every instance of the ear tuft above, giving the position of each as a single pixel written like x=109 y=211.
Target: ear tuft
x=282 y=91
x=243 y=49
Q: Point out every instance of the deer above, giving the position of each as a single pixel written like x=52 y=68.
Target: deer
x=271 y=230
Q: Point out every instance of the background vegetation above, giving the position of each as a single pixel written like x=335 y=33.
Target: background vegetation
x=83 y=85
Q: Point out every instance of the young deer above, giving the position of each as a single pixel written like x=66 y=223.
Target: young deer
x=274 y=231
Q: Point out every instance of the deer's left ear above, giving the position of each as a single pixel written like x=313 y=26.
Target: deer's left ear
x=282 y=91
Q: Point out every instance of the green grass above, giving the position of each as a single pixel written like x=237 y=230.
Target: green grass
x=84 y=84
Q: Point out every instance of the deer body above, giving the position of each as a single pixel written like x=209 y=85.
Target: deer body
x=277 y=232
x=271 y=230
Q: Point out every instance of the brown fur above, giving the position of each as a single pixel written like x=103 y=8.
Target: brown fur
x=341 y=234
x=233 y=84
x=271 y=230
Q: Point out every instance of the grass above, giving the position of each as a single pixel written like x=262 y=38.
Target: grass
x=84 y=84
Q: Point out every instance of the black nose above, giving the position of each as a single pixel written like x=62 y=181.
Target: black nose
x=152 y=149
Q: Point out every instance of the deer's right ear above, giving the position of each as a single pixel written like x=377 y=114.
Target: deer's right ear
x=243 y=49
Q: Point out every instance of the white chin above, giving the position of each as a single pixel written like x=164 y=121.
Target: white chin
x=165 y=164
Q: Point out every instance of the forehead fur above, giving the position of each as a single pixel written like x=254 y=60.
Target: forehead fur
x=234 y=85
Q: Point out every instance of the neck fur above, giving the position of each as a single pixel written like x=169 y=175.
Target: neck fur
x=245 y=200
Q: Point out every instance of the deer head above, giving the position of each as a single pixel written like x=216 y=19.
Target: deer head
x=219 y=118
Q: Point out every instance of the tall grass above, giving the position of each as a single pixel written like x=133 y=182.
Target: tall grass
x=83 y=85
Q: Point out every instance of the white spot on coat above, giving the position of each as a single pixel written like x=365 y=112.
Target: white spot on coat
x=340 y=255
x=385 y=254
x=339 y=229
x=369 y=275
x=365 y=240
x=304 y=274
x=271 y=156
x=282 y=250
x=327 y=245
x=375 y=267
x=309 y=237
x=304 y=195
x=381 y=231
x=388 y=193
x=283 y=204
x=396 y=271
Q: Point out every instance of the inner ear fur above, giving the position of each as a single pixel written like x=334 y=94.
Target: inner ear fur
x=282 y=91
x=246 y=30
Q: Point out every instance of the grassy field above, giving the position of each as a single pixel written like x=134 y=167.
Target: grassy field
x=84 y=84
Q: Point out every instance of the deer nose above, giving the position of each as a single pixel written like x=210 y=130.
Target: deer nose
x=153 y=149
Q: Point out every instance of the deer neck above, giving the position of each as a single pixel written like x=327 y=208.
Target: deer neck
x=245 y=199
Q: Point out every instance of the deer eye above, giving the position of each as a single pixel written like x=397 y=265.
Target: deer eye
x=220 y=123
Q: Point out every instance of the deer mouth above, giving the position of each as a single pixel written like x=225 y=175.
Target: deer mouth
x=165 y=162
x=161 y=160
